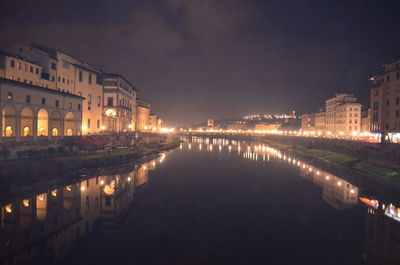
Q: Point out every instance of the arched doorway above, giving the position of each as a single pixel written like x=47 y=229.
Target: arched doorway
x=56 y=120
x=69 y=124
x=26 y=121
x=54 y=132
x=9 y=121
x=70 y=132
x=43 y=123
x=111 y=120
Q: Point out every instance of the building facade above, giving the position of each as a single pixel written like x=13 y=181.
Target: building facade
x=385 y=102
x=119 y=110
x=342 y=115
x=143 y=115
x=320 y=125
x=153 y=122
x=31 y=112
x=308 y=122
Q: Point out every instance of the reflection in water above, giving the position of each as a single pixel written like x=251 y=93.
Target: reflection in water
x=382 y=221
x=336 y=191
x=45 y=224
x=382 y=233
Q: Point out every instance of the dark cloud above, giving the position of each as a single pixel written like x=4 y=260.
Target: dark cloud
x=195 y=59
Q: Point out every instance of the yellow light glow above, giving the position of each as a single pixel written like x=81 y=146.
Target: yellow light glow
x=25 y=203
x=8 y=208
x=54 y=193
x=101 y=182
x=129 y=179
x=69 y=188
x=103 y=127
x=84 y=128
x=83 y=188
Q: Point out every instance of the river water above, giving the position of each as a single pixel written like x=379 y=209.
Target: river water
x=207 y=202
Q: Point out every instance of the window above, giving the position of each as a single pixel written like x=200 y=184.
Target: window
x=79 y=106
x=18 y=65
x=387 y=102
x=26 y=67
x=52 y=78
x=9 y=95
x=88 y=123
x=110 y=101
x=27 y=99
x=80 y=76
x=98 y=124
x=98 y=101
x=63 y=79
x=70 y=105
x=37 y=71
x=43 y=101
x=90 y=78
x=397 y=113
x=53 y=66
x=89 y=107
x=65 y=64
x=387 y=78
x=57 y=103
x=12 y=63
x=59 y=79
x=90 y=99
x=31 y=69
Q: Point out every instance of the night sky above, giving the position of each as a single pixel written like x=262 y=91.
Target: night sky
x=199 y=59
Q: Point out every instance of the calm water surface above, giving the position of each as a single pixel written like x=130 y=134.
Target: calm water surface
x=208 y=202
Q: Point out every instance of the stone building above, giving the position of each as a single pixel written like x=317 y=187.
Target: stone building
x=30 y=111
x=342 y=115
x=308 y=122
x=142 y=115
x=109 y=100
x=153 y=120
x=320 y=126
x=119 y=110
x=385 y=102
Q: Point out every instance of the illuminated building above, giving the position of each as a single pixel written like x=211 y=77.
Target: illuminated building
x=308 y=122
x=153 y=122
x=320 y=124
x=142 y=115
x=30 y=112
x=119 y=109
x=385 y=102
x=342 y=115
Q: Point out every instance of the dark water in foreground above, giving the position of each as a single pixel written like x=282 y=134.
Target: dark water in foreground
x=205 y=203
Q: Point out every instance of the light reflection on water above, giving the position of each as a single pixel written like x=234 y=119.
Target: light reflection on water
x=47 y=222
x=382 y=238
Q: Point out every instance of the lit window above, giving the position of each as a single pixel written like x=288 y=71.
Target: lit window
x=9 y=95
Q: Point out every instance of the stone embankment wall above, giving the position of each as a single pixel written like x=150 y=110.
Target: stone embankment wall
x=83 y=143
x=383 y=154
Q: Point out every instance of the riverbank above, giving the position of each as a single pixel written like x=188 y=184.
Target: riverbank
x=35 y=169
x=357 y=169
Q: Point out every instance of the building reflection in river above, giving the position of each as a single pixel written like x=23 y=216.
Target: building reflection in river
x=336 y=191
x=43 y=225
x=382 y=233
